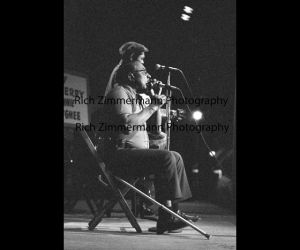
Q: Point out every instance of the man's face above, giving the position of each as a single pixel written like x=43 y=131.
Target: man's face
x=141 y=75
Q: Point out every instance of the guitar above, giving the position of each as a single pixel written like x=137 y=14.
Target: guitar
x=158 y=139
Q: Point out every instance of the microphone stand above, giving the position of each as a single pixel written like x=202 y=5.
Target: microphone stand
x=168 y=111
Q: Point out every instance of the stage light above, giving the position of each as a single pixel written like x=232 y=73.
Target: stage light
x=188 y=9
x=212 y=153
x=71 y=161
x=185 y=17
x=197 y=115
x=218 y=172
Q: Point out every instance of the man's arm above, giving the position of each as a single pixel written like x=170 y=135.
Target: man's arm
x=141 y=117
x=124 y=109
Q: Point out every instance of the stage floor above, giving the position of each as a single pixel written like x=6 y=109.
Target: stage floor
x=117 y=233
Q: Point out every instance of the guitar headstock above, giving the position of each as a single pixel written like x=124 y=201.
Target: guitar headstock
x=180 y=114
x=177 y=114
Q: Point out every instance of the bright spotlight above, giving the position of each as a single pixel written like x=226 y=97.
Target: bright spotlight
x=197 y=115
x=187 y=9
x=195 y=170
x=185 y=17
x=212 y=153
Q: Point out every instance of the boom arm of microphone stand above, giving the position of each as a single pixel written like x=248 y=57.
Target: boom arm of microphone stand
x=186 y=82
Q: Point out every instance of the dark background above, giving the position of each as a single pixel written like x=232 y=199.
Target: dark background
x=203 y=48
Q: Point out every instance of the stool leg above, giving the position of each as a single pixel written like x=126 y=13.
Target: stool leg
x=134 y=204
x=129 y=214
x=107 y=208
x=97 y=219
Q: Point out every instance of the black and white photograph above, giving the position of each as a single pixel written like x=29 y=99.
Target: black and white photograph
x=149 y=124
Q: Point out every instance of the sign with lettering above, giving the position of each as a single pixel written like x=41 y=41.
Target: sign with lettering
x=75 y=87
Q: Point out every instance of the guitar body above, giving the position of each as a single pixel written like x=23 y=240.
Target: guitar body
x=158 y=139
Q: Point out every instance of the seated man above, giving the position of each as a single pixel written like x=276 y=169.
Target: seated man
x=125 y=116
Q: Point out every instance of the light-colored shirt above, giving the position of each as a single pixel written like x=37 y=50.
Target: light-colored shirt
x=127 y=102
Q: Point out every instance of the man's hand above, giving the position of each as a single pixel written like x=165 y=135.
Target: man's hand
x=158 y=100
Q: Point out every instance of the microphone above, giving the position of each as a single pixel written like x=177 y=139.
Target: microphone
x=153 y=83
x=162 y=67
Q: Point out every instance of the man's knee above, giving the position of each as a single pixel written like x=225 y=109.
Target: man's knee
x=177 y=156
x=169 y=160
x=168 y=156
x=178 y=159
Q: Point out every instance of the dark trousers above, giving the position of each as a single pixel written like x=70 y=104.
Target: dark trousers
x=170 y=177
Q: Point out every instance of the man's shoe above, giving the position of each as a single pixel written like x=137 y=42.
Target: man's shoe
x=166 y=222
x=170 y=225
x=188 y=217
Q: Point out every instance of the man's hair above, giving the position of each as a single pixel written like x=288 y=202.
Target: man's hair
x=131 y=50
